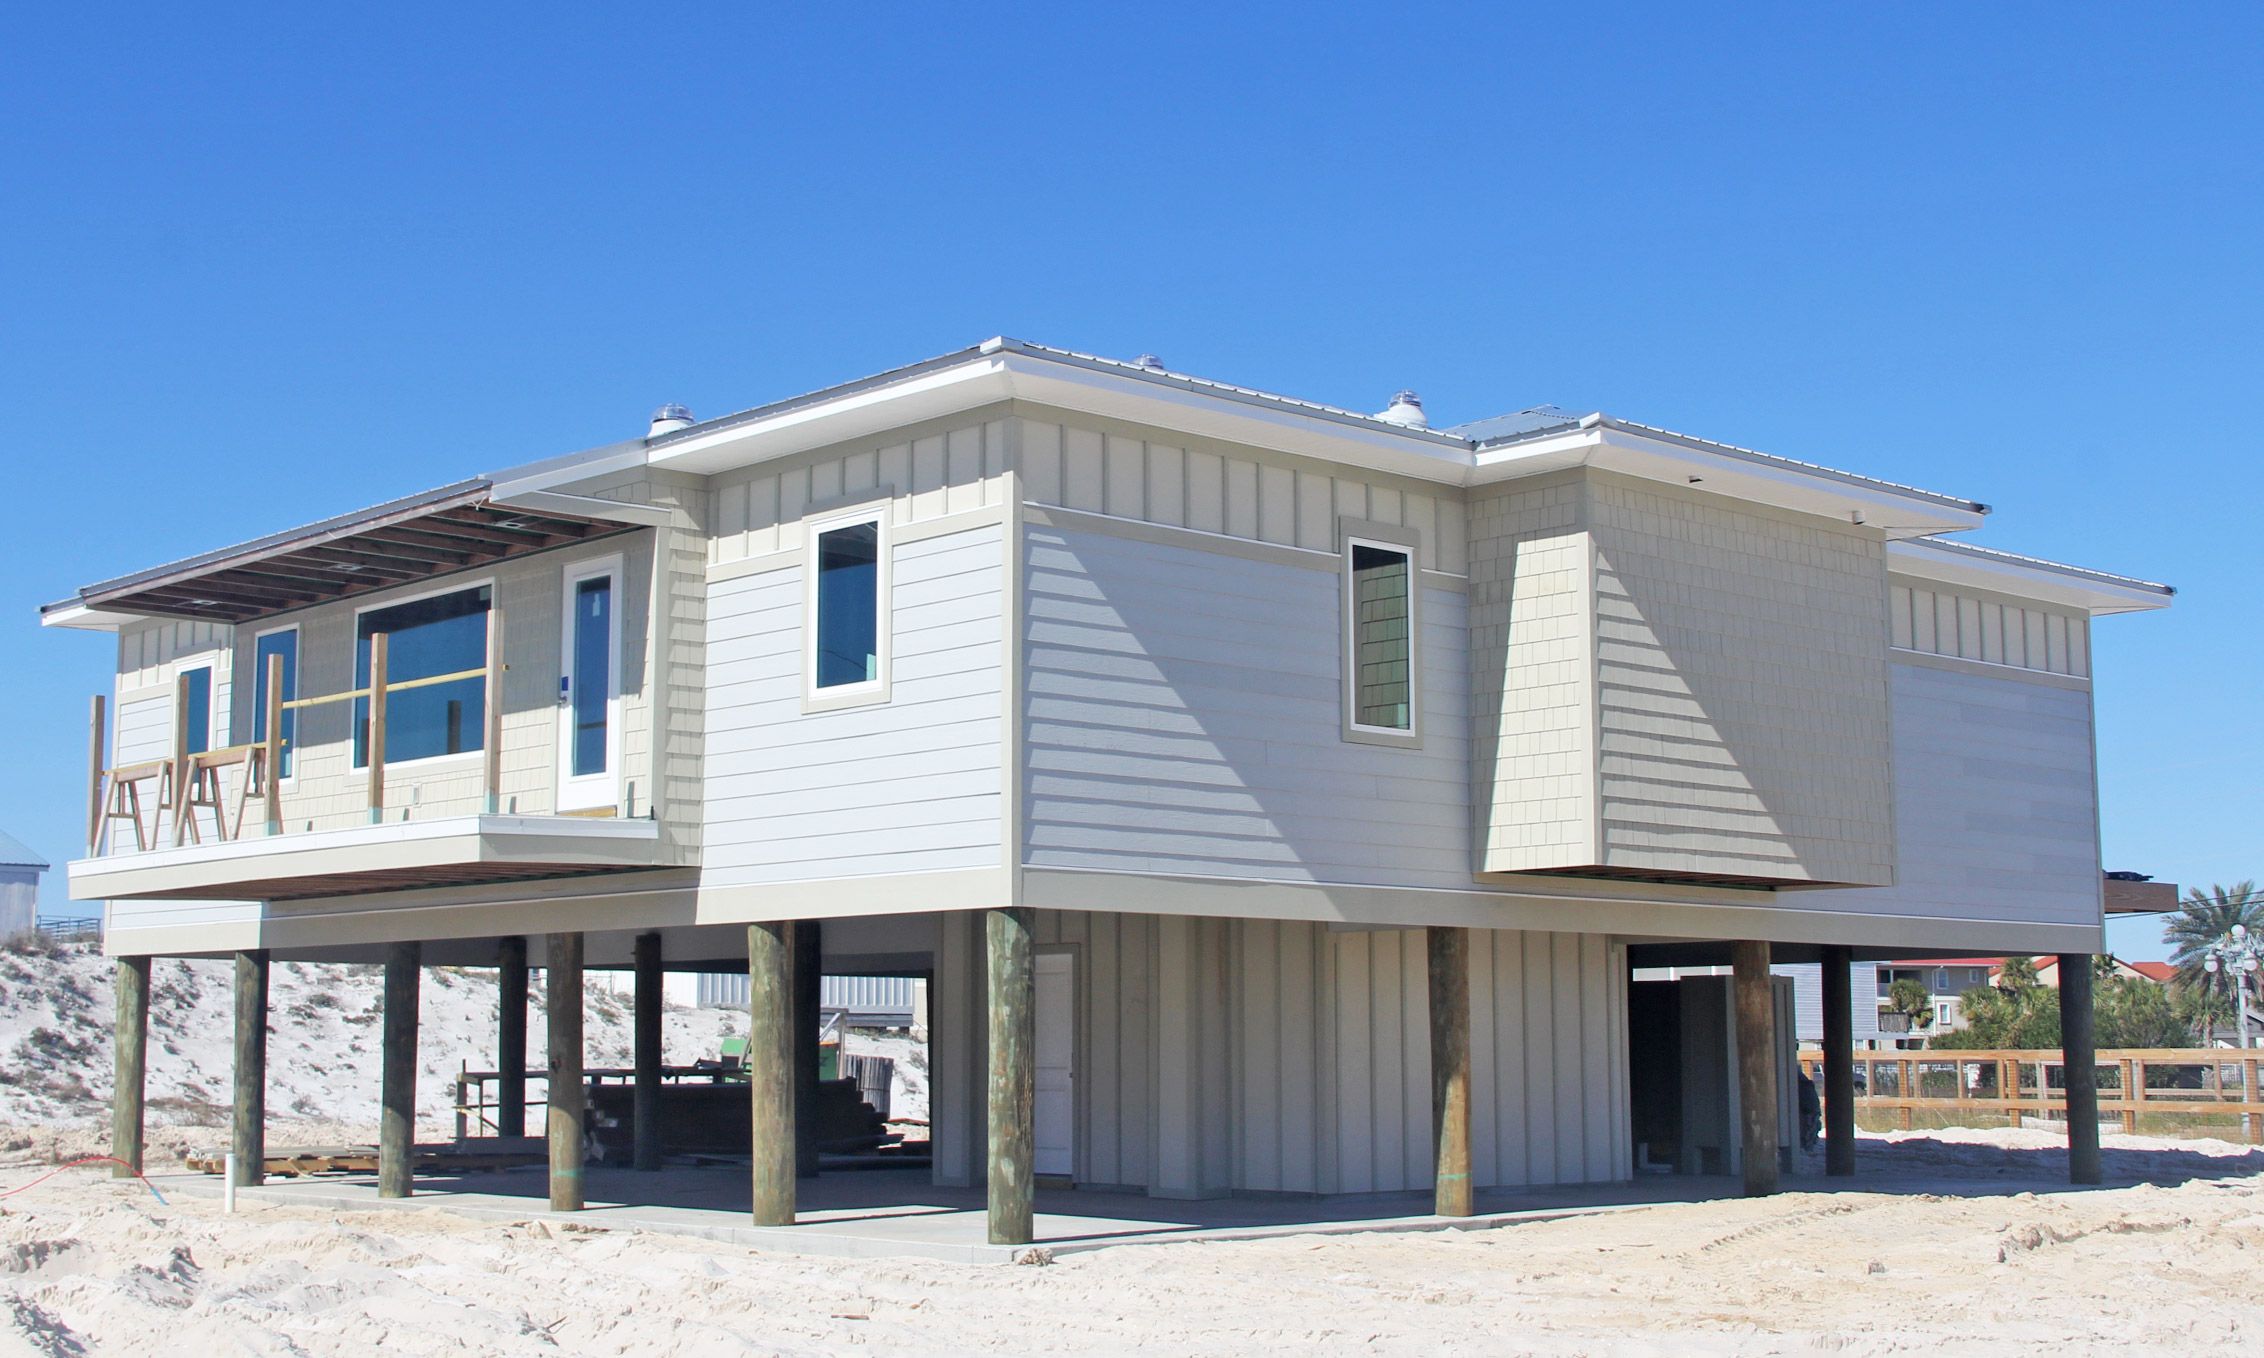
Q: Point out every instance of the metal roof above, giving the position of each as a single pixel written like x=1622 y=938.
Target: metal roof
x=14 y=853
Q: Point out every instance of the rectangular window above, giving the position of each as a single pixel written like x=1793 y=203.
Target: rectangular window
x=591 y=688
x=425 y=638
x=1380 y=585
x=285 y=644
x=199 y=718
x=847 y=602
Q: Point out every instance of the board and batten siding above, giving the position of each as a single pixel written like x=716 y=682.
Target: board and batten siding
x=757 y=511
x=1183 y=714
x=1996 y=810
x=1156 y=477
x=1970 y=625
x=913 y=784
x=1263 y=1056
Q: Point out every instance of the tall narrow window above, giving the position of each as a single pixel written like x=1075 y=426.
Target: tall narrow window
x=848 y=606
x=199 y=717
x=1380 y=646
x=425 y=639
x=285 y=644
x=591 y=688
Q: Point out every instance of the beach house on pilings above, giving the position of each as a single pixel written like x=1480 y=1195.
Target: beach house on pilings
x=1278 y=797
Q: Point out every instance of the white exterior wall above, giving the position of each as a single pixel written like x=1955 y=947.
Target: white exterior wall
x=1532 y=650
x=913 y=784
x=1184 y=715
x=1996 y=806
x=1741 y=688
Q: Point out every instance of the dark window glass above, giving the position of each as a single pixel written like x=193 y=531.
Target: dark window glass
x=285 y=644
x=848 y=623
x=199 y=719
x=593 y=672
x=441 y=635
x=1380 y=638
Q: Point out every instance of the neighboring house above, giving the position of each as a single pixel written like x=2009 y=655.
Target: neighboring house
x=20 y=870
x=1225 y=718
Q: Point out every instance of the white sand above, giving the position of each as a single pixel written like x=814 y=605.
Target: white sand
x=93 y=1265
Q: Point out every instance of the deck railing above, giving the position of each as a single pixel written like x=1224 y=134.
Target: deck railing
x=187 y=782
x=2016 y=1083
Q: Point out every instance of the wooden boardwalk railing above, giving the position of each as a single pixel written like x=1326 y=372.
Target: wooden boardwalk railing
x=2015 y=1083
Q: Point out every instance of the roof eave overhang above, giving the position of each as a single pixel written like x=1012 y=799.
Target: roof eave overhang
x=1896 y=511
x=1004 y=372
x=2048 y=582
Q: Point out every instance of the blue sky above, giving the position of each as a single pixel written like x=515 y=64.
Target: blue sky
x=257 y=268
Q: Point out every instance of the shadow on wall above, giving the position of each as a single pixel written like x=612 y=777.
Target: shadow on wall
x=1742 y=707
x=1184 y=716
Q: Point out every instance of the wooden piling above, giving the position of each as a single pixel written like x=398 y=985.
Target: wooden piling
x=511 y=1037
x=1756 y=1024
x=129 y=1042
x=1449 y=951
x=397 y=1116
x=809 y=964
x=645 y=1118
x=1839 y=1063
x=2080 y=1067
x=247 y=1136
x=770 y=1069
x=1013 y=1006
x=562 y=974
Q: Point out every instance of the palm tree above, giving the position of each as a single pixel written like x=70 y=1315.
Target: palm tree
x=2206 y=918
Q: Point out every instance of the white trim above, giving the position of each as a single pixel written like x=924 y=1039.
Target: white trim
x=259 y=676
x=1410 y=735
x=814 y=529
x=2029 y=580
x=354 y=640
x=602 y=788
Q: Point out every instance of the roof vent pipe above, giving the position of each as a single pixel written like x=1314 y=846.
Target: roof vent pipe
x=1148 y=361
x=668 y=419
x=1406 y=408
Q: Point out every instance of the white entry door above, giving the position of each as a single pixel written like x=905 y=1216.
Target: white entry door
x=1056 y=1111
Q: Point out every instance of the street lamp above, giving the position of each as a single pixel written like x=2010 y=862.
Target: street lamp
x=2236 y=955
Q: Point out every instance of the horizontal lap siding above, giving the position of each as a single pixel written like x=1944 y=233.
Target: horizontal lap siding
x=1996 y=814
x=1184 y=715
x=909 y=785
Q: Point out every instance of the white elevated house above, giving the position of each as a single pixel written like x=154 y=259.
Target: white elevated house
x=1277 y=798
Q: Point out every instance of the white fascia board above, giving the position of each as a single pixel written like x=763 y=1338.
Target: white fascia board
x=553 y=472
x=2046 y=582
x=85 y=619
x=987 y=378
x=1224 y=416
x=920 y=395
x=585 y=507
x=1894 y=512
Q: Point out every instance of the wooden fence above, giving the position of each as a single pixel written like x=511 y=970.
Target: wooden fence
x=2133 y=1082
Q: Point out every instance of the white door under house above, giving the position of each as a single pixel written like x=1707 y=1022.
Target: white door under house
x=589 y=689
x=1056 y=1105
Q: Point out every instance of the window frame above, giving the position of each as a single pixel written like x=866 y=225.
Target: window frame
x=583 y=792
x=353 y=661
x=212 y=737
x=874 y=511
x=1353 y=533
x=291 y=753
